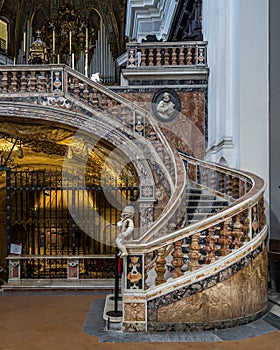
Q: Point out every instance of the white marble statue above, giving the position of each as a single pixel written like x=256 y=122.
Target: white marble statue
x=126 y=228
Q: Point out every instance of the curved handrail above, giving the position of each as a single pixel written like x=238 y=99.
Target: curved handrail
x=223 y=235
x=39 y=81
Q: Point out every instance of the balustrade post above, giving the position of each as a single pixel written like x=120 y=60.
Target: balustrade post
x=213 y=179
x=210 y=246
x=104 y=101
x=229 y=185
x=262 y=216
x=23 y=82
x=76 y=88
x=86 y=94
x=32 y=82
x=158 y=57
x=189 y=56
x=160 y=266
x=181 y=56
x=235 y=187
x=255 y=221
x=73 y=269
x=225 y=239
x=151 y=57
x=174 y=56
x=201 y=56
x=194 y=254
x=14 y=82
x=94 y=99
x=177 y=260
x=5 y=85
x=14 y=269
x=246 y=226
x=42 y=82
x=143 y=58
x=237 y=233
x=221 y=182
x=166 y=57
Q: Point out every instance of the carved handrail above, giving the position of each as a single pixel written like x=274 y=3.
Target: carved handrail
x=171 y=54
x=241 y=224
x=53 y=81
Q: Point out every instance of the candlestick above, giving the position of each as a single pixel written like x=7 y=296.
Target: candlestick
x=14 y=61
x=58 y=58
x=53 y=34
x=70 y=41
x=7 y=41
x=86 y=38
x=73 y=60
x=24 y=42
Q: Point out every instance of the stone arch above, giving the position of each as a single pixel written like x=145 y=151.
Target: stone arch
x=103 y=127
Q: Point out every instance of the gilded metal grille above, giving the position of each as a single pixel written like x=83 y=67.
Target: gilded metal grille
x=49 y=218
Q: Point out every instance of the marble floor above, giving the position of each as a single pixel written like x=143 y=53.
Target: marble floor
x=73 y=321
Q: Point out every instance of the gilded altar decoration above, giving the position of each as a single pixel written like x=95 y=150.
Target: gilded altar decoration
x=134 y=275
x=38 y=53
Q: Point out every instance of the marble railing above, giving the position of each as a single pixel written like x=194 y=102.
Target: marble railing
x=80 y=267
x=216 y=240
x=171 y=54
x=52 y=83
x=59 y=86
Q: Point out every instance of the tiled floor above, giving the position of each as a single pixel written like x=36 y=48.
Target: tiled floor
x=73 y=321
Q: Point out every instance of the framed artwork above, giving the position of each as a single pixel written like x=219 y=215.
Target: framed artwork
x=166 y=104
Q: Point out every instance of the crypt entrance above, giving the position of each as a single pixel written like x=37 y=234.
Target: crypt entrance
x=61 y=197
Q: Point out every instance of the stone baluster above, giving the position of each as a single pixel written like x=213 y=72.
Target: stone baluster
x=237 y=233
x=94 y=99
x=177 y=260
x=86 y=94
x=115 y=111
x=235 y=187
x=123 y=115
x=246 y=226
x=204 y=176
x=174 y=56
x=14 y=82
x=181 y=56
x=210 y=246
x=158 y=57
x=104 y=101
x=241 y=188
x=76 y=88
x=143 y=58
x=189 y=56
x=201 y=56
x=151 y=57
x=5 y=84
x=42 y=82
x=160 y=266
x=166 y=57
x=213 y=179
x=221 y=182
x=32 y=82
x=194 y=253
x=262 y=217
x=229 y=185
x=23 y=82
x=225 y=239
x=255 y=221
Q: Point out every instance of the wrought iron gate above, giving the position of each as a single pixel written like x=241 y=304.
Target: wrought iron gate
x=50 y=219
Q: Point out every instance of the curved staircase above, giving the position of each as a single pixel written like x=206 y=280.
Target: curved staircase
x=201 y=263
